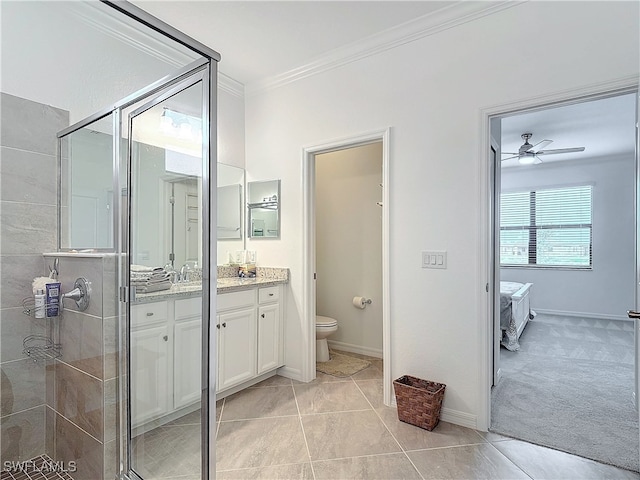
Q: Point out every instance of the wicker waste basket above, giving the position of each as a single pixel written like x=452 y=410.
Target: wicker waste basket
x=419 y=401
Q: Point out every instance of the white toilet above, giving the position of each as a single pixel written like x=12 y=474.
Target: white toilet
x=325 y=326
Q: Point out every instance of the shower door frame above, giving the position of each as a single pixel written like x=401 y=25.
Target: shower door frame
x=193 y=74
x=208 y=64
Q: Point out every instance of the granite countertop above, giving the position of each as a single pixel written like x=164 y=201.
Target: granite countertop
x=266 y=277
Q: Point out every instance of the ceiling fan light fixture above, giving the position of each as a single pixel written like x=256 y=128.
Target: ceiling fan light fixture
x=527 y=159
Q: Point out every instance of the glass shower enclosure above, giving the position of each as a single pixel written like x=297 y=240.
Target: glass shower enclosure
x=136 y=184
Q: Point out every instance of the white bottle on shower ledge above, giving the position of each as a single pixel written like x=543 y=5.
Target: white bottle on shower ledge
x=39 y=298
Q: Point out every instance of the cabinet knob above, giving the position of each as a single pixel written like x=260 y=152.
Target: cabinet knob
x=165 y=338
x=218 y=326
x=271 y=294
x=262 y=315
x=149 y=314
x=224 y=324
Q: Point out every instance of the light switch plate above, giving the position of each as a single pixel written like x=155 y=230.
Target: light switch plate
x=434 y=259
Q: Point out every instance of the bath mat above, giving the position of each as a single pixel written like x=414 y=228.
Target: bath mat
x=342 y=365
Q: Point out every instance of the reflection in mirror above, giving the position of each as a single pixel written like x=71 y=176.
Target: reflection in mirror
x=230 y=211
x=165 y=328
x=264 y=209
x=86 y=187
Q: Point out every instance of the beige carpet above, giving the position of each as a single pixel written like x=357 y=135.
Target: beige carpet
x=340 y=365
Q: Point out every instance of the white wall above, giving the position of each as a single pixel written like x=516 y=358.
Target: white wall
x=606 y=291
x=54 y=53
x=431 y=92
x=230 y=128
x=349 y=245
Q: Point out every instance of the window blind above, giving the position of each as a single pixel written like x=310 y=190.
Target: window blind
x=547 y=227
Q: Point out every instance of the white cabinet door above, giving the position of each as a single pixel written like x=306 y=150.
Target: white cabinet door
x=237 y=355
x=268 y=337
x=149 y=374
x=187 y=361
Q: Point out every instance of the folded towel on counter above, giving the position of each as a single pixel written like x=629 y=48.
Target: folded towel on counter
x=145 y=269
x=155 y=287
x=154 y=278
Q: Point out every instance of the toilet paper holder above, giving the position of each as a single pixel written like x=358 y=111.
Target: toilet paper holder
x=361 y=302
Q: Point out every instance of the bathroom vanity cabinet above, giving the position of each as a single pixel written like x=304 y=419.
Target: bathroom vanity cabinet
x=250 y=335
x=166 y=345
x=165 y=361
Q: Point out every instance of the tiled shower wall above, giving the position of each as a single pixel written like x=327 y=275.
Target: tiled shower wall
x=81 y=384
x=28 y=226
x=65 y=408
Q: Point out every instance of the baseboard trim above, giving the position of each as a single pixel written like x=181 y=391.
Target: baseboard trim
x=453 y=416
x=459 y=418
x=292 y=373
x=349 y=347
x=599 y=316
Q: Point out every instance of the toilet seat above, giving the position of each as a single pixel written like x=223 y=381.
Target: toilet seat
x=325 y=322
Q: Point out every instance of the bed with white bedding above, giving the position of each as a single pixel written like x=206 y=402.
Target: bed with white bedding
x=515 y=312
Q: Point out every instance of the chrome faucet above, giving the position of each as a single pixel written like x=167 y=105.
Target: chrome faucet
x=185 y=273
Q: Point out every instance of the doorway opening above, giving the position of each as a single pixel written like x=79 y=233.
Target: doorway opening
x=329 y=173
x=564 y=275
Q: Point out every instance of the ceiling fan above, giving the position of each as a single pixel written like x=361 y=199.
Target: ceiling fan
x=528 y=154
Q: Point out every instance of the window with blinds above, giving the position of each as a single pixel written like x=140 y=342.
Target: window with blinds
x=547 y=227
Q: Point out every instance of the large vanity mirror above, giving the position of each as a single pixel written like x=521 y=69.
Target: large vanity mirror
x=86 y=204
x=86 y=187
x=230 y=210
x=263 y=209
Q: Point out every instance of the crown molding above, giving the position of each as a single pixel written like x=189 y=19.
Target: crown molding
x=111 y=24
x=100 y=19
x=438 y=21
x=229 y=85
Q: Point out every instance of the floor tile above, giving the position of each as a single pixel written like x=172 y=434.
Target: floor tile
x=373 y=391
x=193 y=418
x=481 y=461
x=376 y=467
x=279 y=472
x=275 y=381
x=259 y=403
x=415 y=438
x=372 y=372
x=168 y=451
x=324 y=378
x=219 y=405
x=260 y=443
x=544 y=463
x=493 y=437
x=330 y=397
x=347 y=434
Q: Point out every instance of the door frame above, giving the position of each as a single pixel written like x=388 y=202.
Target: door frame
x=485 y=174
x=309 y=250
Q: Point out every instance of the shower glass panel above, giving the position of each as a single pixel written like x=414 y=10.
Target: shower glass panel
x=87 y=186
x=165 y=144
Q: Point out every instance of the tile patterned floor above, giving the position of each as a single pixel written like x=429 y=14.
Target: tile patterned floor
x=38 y=468
x=338 y=428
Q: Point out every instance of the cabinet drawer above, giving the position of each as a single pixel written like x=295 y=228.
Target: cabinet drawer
x=268 y=294
x=244 y=298
x=147 y=313
x=188 y=308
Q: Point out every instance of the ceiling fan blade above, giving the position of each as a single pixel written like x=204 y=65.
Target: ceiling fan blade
x=509 y=153
x=509 y=158
x=560 y=150
x=540 y=145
